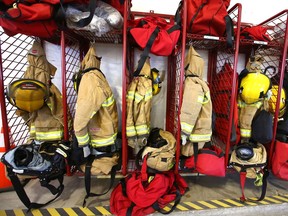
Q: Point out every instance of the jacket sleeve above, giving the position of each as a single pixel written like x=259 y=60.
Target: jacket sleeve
x=89 y=101
x=142 y=106
x=191 y=105
x=130 y=124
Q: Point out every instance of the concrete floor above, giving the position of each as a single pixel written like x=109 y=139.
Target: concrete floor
x=201 y=188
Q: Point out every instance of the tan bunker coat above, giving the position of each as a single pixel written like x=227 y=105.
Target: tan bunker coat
x=96 y=118
x=139 y=98
x=196 y=110
x=46 y=124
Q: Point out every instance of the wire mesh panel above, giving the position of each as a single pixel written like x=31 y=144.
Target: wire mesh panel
x=222 y=98
x=72 y=65
x=274 y=53
x=14 y=63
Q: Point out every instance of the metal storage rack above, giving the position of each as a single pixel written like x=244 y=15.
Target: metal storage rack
x=131 y=48
x=74 y=45
x=275 y=54
x=217 y=56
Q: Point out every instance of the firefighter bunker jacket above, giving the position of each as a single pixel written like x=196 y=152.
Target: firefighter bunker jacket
x=196 y=110
x=96 y=118
x=46 y=124
x=139 y=98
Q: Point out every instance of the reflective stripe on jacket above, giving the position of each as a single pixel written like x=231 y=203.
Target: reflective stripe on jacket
x=46 y=124
x=139 y=98
x=246 y=115
x=196 y=110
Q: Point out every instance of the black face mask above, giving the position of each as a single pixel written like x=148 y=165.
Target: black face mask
x=23 y=156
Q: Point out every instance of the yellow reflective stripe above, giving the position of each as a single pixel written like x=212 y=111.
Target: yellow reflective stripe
x=130 y=131
x=108 y=102
x=245 y=132
x=104 y=142
x=142 y=129
x=186 y=127
x=200 y=137
x=207 y=97
x=131 y=95
x=148 y=95
x=49 y=135
x=200 y=99
x=138 y=97
x=49 y=105
x=242 y=104
x=92 y=115
x=82 y=140
x=32 y=129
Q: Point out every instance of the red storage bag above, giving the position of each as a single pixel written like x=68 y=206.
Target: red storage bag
x=210 y=161
x=166 y=37
x=280 y=160
x=207 y=17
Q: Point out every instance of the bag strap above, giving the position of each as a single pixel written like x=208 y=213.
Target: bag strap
x=23 y=195
x=176 y=202
x=145 y=53
x=264 y=186
x=229 y=31
x=88 y=166
x=195 y=149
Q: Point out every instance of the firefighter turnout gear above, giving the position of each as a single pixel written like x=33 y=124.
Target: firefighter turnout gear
x=246 y=114
x=196 y=110
x=96 y=118
x=254 y=92
x=139 y=98
x=46 y=124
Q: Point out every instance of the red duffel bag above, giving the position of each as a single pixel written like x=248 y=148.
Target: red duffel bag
x=156 y=32
x=141 y=193
x=207 y=17
x=280 y=160
x=209 y=161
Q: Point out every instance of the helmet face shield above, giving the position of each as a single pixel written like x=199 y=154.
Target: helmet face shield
x=244 y=152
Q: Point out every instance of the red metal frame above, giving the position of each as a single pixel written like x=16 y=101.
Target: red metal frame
x=124 y=89
x=274 y=53
x=215 y=59
x=175 y=74
x=280 y=44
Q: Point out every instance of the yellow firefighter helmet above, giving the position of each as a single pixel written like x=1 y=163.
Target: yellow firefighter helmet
x=253 y=87
x=27 y=94
x=156 y=81
x=273 y=99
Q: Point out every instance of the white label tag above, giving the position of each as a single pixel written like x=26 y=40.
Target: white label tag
x=260 y=42
x=211 y=37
